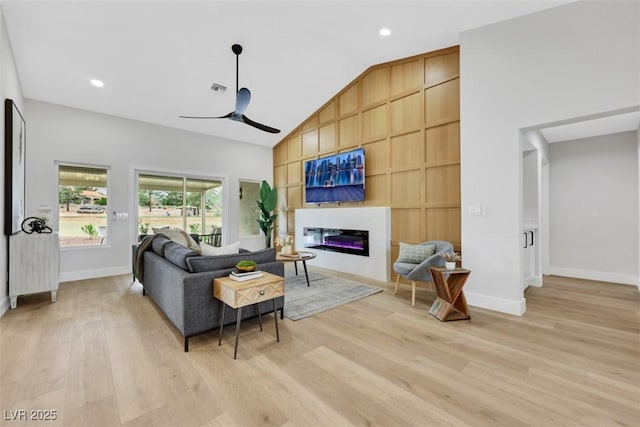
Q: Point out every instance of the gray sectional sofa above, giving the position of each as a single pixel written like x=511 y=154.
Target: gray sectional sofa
x=180 y=282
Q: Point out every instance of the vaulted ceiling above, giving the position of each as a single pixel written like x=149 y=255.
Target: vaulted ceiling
x=158 y=59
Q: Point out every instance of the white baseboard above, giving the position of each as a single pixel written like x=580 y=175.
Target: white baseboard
x=4 y=306
x=502 y=305
x=602 y=276
x=535 y=282
x=94 y=274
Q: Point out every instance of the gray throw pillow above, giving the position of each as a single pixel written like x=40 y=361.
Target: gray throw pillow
x=415 y=254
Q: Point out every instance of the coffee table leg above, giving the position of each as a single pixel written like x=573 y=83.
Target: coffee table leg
x=275 y=316
x=238 y=320
x=221 y=325
x=304 y=264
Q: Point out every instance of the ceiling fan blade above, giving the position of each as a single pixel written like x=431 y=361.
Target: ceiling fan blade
x=226 y=116
x=260 y=126
x=243 y=97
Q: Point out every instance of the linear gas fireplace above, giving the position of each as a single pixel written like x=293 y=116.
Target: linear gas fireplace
x=355 y=242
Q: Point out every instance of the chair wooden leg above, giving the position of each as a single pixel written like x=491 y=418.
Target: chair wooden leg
x=395 y=291
x=413 y=293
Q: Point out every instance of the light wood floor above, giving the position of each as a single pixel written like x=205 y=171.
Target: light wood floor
x=104 y=355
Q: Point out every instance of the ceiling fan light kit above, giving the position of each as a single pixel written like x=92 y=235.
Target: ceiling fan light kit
x=243 y=97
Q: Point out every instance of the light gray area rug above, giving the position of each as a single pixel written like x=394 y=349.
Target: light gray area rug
x=326 y=292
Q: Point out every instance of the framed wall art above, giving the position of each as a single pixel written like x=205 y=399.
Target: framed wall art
x=15 y=149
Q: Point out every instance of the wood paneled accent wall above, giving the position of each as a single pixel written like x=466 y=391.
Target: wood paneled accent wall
x=406 y=115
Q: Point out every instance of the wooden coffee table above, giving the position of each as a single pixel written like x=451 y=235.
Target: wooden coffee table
x=450 y=303
x=241 y=294
x=298 y=256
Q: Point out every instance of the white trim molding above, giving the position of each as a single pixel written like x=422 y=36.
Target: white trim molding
x=94 y=274
x=601 y=276
x=514 y=307
x=4 y=306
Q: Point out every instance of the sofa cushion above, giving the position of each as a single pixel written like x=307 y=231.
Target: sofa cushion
x=178 y=254
x=179 y=236
x=198 y=264
x=206 y=249
x=158 y=244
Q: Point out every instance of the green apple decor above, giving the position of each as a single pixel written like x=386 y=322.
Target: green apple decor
x=267 y=204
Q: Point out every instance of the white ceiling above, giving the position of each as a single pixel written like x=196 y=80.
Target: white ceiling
x=158 y=59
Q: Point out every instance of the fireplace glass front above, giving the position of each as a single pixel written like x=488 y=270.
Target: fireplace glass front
x=355 y=242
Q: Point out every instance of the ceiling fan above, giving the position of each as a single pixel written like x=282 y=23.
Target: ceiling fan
x=243 y=96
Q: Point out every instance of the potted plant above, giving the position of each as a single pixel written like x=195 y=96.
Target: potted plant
x=144 y=230
x=267 y=204
x=450 y=259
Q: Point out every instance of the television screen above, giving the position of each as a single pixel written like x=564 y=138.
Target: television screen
x=335 y=178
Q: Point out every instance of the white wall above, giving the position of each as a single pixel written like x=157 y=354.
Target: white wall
x=571 y=61
x=9 y=88
x=594 y=208
x=58 y=133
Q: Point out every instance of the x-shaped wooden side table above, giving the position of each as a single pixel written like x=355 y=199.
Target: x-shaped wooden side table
x=450 y=303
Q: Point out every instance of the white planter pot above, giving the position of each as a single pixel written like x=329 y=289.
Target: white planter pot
x=450 y=265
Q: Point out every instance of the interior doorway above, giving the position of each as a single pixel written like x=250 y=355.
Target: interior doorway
x=588 y=205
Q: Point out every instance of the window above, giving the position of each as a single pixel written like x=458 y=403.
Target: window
x=249 y=193
x=191 y=204
x=82 y=198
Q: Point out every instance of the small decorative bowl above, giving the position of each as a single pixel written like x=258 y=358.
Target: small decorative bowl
x=246 y=265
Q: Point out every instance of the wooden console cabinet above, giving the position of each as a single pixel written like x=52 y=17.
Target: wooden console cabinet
x=34 y=265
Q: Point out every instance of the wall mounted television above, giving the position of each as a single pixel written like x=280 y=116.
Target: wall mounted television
x=335 y=179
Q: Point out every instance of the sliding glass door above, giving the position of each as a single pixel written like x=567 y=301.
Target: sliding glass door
x=190 y=204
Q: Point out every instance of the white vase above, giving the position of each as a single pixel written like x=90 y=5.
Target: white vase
x=450 y=265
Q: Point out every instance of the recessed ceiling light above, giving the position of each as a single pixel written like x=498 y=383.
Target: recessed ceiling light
x=385 y=32
x=97 y=83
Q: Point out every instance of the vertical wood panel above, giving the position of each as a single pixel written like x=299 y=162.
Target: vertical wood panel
x=280 y=176
x=375 y=86
x=442 y=102
x=310 y=143
x=443 y=143
x=311 y=123
x=294 y=173
x=328 y=113
x=405 y=187
x=291 y=223
x=406 y=150
x=282 y=199
x=376 y=190
x=441 y=68
x=280 y=153
x=406 y=76
x=348 y=101
x=374 y=123
x=406 y=226
x=375 y=154
x=406 y=113
x=295 y=149
x=294 y=197
x=444 y=224
x=328 y=137
x=348 y=132
x=443 y=184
